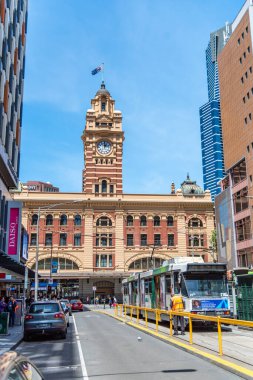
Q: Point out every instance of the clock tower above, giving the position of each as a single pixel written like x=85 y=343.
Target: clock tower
x=103 y=147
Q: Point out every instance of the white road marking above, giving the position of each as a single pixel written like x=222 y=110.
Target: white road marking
x=83 y=366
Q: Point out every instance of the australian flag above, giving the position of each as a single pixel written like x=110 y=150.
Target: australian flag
x=96 y=70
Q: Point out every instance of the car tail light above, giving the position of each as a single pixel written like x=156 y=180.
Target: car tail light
x=227 y=313
x=59 y=315
x=194 y=312
x=28 y=316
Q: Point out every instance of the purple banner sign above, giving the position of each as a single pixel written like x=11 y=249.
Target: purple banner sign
x=13 y=231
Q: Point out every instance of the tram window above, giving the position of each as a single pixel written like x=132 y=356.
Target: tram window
x=183 y=288
x=168 y=284
x=176 y=283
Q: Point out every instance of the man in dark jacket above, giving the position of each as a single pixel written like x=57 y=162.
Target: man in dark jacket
x=2 y=305
x=11 y=308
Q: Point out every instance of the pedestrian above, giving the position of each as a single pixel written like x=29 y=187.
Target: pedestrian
x=114 y=301
x=177 y=304
x=3 y=305
x=12 y=307
x=88 y=300
x=110 y=302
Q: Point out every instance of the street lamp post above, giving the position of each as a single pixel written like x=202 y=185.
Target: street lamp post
x=37 y=243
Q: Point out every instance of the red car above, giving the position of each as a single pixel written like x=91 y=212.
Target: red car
x=76 y=305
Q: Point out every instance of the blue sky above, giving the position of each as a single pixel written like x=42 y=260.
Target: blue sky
x=154 y=55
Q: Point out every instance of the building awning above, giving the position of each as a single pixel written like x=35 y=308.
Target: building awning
x=7 y=262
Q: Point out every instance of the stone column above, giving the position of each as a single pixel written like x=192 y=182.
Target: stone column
x=181 y=234
x=88 y=241
x=119 y=241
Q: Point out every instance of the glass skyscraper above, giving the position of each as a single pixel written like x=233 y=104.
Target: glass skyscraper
x=210 y=120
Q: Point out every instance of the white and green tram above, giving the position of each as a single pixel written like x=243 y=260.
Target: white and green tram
x=203 y=287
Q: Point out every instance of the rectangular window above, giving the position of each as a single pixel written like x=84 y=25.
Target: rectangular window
x=170 y=240
x=33 y=239
x=143 y=240
x=250 y=69
x=130 y=240
x=48 y=239
x=110 y=261
x=103 y=261
x=238 y=41
x=111 y=189
x=157 y=239
x=77 y=240
x=103 y=106
x=96 y=188
x=97 y=260
x=110 y=240
x=63 y=239
x=103 y=240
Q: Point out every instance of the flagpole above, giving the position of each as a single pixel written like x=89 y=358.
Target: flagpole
x=103 y=68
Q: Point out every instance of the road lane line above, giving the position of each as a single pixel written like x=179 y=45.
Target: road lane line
x=82 y=362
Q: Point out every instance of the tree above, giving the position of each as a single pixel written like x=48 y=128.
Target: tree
x=213 y=245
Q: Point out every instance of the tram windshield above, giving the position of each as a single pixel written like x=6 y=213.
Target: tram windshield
x=208 y=285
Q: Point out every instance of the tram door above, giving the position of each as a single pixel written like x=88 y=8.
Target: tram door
x=157 y=292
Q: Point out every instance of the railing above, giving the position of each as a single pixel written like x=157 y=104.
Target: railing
x=123 y=309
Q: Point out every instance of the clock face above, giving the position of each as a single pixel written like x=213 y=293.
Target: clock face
x=104 y=147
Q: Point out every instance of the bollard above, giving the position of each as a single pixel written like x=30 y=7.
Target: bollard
x=219 y=336
x=146 y=317
x=170 y=322
x=190 y=328
x=131 y=314
x=125 y=311
x=156 y=320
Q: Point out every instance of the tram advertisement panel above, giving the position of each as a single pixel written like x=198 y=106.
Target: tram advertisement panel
x=209 y=304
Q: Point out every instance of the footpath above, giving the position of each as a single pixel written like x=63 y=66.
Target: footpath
x=12 y=339
x=237 y=343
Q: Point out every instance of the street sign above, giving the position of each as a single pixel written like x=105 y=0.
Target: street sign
x=94 y=288
x=54 y=266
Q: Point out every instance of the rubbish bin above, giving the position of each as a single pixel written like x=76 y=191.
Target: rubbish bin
x=4 y=323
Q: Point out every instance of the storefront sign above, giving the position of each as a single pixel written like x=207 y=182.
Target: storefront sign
x=13 y=230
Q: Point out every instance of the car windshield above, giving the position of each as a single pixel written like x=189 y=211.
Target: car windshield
x=44 y=308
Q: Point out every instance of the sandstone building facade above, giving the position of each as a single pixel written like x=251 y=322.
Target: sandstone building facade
x=93 y=239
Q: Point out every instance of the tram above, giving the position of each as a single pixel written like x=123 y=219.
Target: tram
x=203 y=287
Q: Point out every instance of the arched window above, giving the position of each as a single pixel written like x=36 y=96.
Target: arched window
x=130 y=220
x=104 y=186
x=156 y=221
x=49 y=220
x=63 y=220
x=143 y=221
x=104 y=221
x=170 y=221
x=77 y=220
x=34 y=219
x=59 y=262
x=195 y=223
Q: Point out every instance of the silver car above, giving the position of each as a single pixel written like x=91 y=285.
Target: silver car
x=18 y=367
x=45 y=317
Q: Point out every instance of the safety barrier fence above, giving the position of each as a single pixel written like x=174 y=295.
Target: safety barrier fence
x=124 y=310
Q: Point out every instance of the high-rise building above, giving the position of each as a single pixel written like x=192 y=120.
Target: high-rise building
x=235 y=63
x=210 y=121
x=100 y=235
x=13 y=27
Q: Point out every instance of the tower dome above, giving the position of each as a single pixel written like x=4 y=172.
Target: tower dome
x=103 y=90
x=190 y=187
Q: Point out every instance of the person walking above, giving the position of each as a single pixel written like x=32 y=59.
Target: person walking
x=12 y=307
x=177 y=304
x=2 y=305
x=110 y=302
